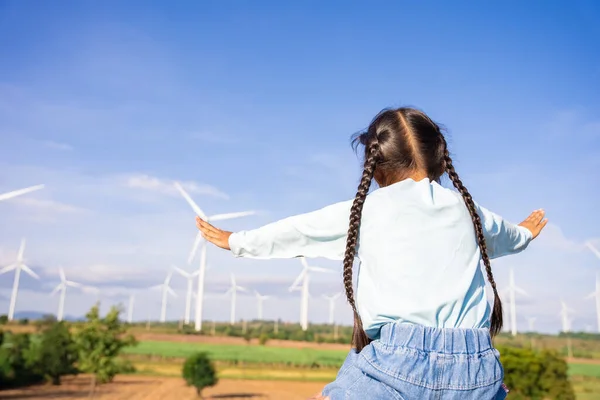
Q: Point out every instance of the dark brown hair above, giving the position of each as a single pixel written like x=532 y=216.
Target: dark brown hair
x=398 y=142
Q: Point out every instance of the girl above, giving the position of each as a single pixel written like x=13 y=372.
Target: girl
x=422 y=322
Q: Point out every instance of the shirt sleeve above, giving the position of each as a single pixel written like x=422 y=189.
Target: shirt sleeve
x=502 y=237
x=320 y=233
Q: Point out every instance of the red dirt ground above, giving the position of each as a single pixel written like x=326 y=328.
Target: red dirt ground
x=159 y=388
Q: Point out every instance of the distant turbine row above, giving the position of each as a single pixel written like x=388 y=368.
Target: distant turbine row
x=565 y=310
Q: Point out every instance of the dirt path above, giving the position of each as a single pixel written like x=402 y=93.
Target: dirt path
x=159 y=388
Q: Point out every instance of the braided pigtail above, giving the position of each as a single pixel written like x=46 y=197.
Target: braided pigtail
x=496 y=321
x=372 y=155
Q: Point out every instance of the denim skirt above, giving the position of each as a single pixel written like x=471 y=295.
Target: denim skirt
x=414 y=362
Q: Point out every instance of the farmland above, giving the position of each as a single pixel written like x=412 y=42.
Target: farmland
x=278 y=369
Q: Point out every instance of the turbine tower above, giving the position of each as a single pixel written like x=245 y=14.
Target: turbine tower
x=19 y=192
x=259 y=300
x=233 y=291
x=18 y=266
x=197 y=241
x=189 y=276
x=304 y=277
x=62 y=287
x=531 y=321
x=332 y=300
x=512 y=290
x=166 y=290
x=130 y=308
x=596 y=295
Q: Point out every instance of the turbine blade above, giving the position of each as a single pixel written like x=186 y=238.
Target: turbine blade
x=191 y=202
x=21 y=250
x=304 y=262
x=29 y=271
x=168 y=278
x=520 y=291
x=195 y=247
x=591 y=295
x=61 y=272
x=171 y=292
x=156 y=287
x=56 y=289
x=232 y=280
x=182 y=272
x=76 y=285
x=20 y=192
x=221 y=217
x=593 y=249
x=7 y=269
x=298 y=280
x=242 y=289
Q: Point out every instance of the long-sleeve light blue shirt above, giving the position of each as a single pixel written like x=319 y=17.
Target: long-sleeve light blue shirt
x=419 y=260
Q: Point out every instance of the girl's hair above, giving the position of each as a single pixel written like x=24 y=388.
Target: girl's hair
x=398 y=142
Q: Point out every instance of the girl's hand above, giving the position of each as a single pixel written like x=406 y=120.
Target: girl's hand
x=535 y=222
x=215 y=236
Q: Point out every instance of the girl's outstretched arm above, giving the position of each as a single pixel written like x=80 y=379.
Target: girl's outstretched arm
x=503 y=237
x=320 y=233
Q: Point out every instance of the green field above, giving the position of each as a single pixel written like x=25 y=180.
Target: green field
x=586 y=370
x=243 y=354
x=299 y=363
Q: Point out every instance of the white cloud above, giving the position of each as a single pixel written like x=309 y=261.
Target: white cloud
x=58 y=145
x=48 y=205
x=146 y=182
x=554 y=238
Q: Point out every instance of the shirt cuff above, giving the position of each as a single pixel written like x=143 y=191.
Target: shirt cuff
x=235 y=244
x=526 y=233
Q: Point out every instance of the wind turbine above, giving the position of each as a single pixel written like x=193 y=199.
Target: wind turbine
x=166 y=290
x=531 y=321
x=332 y=300
x=304 y=277
x=259 y=299
x=512 y=290
x=593 y=249
x=189 y=276
x=596 y=295
x=233 y=291
x=62 y=287
x=197 y=241
x=18 y=266
x=564 y=313
x=19 y=192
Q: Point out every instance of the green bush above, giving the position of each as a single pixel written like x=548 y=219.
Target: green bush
x=263 y=339
x=15 y=361
x=199 y=372
x=3 y=319
x=535 y=375
x=56 y=353
x=100 y=342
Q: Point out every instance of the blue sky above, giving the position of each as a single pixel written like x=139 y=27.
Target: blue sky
x=252 y=105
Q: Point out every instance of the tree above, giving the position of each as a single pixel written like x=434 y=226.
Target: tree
x=100 y=342
x=535 y=375
x=57 y=352
x=199 y=372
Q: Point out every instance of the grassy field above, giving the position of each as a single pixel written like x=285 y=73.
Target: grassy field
x=244 y=354
x=291 y=364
